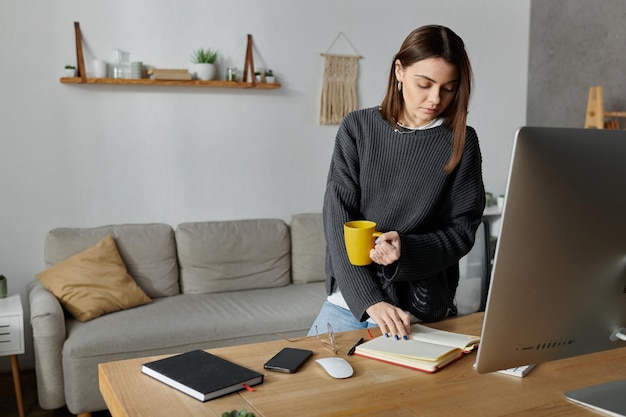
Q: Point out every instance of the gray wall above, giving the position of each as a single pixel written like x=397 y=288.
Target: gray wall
x=575 y=44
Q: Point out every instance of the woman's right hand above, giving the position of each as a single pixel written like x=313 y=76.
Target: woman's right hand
x=393 y=321
x=387 y=249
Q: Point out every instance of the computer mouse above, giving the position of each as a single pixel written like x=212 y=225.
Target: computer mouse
x=336 y=367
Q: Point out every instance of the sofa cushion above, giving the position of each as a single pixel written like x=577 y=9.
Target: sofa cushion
x=148 y=251
x=93 y=282
x=234 y=255
x=308 y=248
x=186 y=320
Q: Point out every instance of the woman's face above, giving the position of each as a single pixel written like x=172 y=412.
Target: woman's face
x=428 y=88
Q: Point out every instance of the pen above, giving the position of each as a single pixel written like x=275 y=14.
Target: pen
x=353 y=348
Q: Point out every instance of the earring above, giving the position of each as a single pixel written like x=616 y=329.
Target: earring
x=399 y=85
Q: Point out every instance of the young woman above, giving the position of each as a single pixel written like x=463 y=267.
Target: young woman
x=413 y=167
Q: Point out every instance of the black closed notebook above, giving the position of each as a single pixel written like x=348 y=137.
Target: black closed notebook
x=202 y=375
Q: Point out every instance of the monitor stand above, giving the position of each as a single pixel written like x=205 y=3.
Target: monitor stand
x=606 y=398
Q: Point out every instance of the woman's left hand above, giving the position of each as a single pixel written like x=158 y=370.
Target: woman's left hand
x=387 y=249
x=392 y=320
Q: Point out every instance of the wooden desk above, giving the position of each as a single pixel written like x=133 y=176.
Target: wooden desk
x=376 y=388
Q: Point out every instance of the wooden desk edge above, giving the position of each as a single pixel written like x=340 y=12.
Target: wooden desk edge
x=113 y=403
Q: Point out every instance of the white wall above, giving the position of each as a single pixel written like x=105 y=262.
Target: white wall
x=93 y=155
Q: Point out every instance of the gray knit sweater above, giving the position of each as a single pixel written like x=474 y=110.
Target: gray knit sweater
x=396 y=178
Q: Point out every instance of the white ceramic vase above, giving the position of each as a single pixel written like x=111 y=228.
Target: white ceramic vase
x=204 y=72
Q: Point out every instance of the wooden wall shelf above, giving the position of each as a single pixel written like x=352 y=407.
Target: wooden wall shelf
x=81 y=75
x=179 y=83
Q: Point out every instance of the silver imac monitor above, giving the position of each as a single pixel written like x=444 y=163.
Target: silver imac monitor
x=558 y=287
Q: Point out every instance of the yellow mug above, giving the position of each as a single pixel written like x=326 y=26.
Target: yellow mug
x=360 y=236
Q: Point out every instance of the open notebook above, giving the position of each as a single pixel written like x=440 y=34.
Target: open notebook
x=426 y=350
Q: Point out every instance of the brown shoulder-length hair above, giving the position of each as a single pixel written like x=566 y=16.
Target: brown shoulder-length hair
x=434 y=41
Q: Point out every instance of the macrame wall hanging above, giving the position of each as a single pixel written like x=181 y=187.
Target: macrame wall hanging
x=339 y=93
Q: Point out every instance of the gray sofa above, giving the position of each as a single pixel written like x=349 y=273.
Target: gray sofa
x=212 y=284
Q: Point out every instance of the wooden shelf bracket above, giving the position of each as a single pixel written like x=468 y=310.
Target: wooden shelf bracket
x=249 y=63
x=80 y=59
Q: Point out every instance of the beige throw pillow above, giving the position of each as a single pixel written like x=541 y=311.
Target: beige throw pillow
x=93 y=282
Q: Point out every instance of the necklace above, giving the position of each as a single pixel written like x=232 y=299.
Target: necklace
x=409 y=127
x=433 y=123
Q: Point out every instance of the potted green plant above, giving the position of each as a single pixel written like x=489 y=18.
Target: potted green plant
x=203 y=61
x=235 y=413
x=269 y=76
x=70 y=71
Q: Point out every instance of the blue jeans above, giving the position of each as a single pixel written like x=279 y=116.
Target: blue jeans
x=339 y=318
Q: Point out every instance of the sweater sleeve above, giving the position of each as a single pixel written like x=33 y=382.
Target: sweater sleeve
x=425 y=255
x=358 y=284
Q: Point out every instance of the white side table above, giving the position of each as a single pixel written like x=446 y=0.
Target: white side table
x=12 y=340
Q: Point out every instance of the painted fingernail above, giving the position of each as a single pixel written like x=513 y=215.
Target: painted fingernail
x=405 y=337
x=386 y=334
x=377 y=241
x=396 y=337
